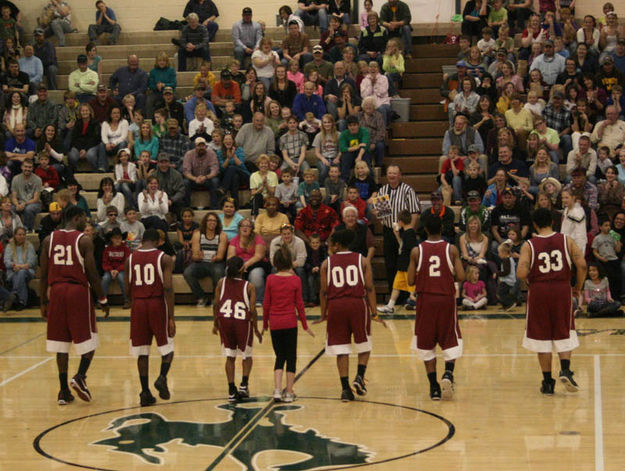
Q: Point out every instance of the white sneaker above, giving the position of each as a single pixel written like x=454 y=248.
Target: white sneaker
x=385 y=309
x=277 y=395
x=201 y=303
x=288 y=397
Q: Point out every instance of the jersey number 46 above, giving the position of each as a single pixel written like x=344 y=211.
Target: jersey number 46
x=238 y=311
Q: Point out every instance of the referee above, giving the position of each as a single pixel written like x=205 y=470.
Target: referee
x=402 y=196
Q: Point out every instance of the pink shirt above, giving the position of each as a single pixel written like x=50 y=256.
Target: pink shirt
x=298 y=79
x=473 y=290
x=283 y=294
x=248 y=252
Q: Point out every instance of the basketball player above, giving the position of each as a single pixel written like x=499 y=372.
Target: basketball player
x=347 y=299
x=235 y=318
x=149 y=274
x=434 y=266
x=545 y=263
x=68 y=272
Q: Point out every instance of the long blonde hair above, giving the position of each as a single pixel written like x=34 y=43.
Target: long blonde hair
x=334 y=135
x=14 y=246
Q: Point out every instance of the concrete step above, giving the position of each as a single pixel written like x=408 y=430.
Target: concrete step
x=419 y=129
x=412 y=165
x=427 y=112
x=422 y=96
x=425 y=146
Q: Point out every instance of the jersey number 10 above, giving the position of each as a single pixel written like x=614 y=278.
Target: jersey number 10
x=148 y=275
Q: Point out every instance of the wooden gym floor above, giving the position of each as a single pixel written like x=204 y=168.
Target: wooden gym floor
x=497 y=420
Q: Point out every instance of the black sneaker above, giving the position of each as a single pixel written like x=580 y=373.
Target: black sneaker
x=347 y=395
x=234 y=396
x=359 y=386
x=566 y=378
x=65 y=397
x=548 y=387
x=79 y=385
x=244 y=392
x=161 y=386
x=447 y=386
x=146 y=398
x=435 y=392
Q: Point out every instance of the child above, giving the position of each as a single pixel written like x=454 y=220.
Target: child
x=49 y=178
x=574 y=219
x=237 y=124
x=283 y=295
x=368 y=8
x=407 y=239
x=133 y=228
x=202 y=125
x=535 y=104
x=205 y=77
x=597 y=294
x=508 y=287
x=227 y=116
x=603 y=162
x=110 y=223
x=487 y=44
x=113 y=260
x=515 y=239
x=617 y=100
x=126 y=176
x=464 y=43
x=315 y=255
x=367 y=187
x=274 y=165
x=306 y=187
x=216 y=140
x=605 y=247
x=159 y=128
x=452 y=174
x=239 y=297
x=497 y=17
x=393 y=62
x=145 y=168
x=295 y=76
x=504 y=41
x=474 y=290
x=310 y=126
x=8 y=26
x=286 y=192
x=473 y=181
x=354 y=199
x=335 y=188
x=235 y=70
x=184 y=232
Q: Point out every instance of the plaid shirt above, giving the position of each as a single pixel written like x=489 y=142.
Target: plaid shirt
x=558 y=120
x=293 y=143
x=176 y=147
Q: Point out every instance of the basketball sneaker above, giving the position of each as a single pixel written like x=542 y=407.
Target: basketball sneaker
x=244 y=392
x=435 y=392
x=386 y=309
x=277 y=395
x=233 y=396
x=566 y=378
x=347 y=395
x=359 y=386
x=288 y=397
x=161 y=386
x=447 y=386
x=146 y=398
x=65 y=397
x=548 y=387
x=79 y=385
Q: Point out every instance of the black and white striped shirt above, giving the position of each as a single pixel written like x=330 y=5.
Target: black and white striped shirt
x=402 y=197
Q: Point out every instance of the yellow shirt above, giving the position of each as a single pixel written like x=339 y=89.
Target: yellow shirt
x=521 y=120
x=266 y=226
x=210 y=78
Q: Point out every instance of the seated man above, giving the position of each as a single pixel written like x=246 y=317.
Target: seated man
x=200 y=168
x=395 y=17
x=462 y=135
x=610 y=132
x=255 y=139
x=512 y=167
x=331 y=91
x=585 y=157
x=579 y=183
x=313 y=12
x=45 y=51
x=60 y=20
x=193 y=42
x=548 y=137
x=315 y=218
x=324 y=68
x=18 y=149
x=439 y=210
x=246 y=36
x=25 y=192
x=507 y=215
x=308 y=101
x=105 y=22
x=295 y=46
x=31 y=65
x=130 y=80
x=196 y=99
x=559 y=118
x=207 y=13
x=225 y=90
x=41 y=113
x=101 y=104
x=83 y=81
x=172 y=183
x=174 y=144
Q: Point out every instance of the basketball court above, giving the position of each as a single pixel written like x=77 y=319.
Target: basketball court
x=498 y=419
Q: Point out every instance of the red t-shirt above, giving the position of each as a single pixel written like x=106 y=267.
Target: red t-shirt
x=458 y=162
x=283 y=294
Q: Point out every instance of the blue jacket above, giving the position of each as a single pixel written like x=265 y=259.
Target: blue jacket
x=166 y=76
x=302 y=105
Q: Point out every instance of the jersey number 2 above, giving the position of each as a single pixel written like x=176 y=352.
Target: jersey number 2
x=63 y=255
x=239 y=309
x=551 y=261
x=148 y=275
x=435 y=266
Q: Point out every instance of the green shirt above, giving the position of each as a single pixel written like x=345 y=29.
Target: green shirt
x=347 y=139
x=496 y=16
x=304 y=189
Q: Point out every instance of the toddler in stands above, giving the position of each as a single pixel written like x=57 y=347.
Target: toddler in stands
x=474 y=290
x=597 y=294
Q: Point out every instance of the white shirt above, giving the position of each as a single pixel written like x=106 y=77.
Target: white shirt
x=119 y=172
x=117 y=136
x=157 y=206
x=195 y=124
x=267 y=70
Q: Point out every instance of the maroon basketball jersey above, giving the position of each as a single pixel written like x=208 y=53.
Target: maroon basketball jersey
x=435 y=270
x=550 y=260
x=65 y=262
x=145 y=273
x=234 y=300
x=345 y=276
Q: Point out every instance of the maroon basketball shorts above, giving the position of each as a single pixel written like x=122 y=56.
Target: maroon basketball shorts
x=348 y=317
x=149 y=318
x=237 y=337
x=437 y=323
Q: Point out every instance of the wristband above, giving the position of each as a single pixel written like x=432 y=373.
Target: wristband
x=103 y=300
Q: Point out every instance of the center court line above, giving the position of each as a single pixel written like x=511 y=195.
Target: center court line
x=27 y=370
x=599 y=462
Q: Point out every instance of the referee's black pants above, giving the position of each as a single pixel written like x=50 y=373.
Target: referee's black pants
x=391 y=253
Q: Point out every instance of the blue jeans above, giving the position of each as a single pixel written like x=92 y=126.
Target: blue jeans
x=312 y=282
x=203 y=52
x=212 y=28
x=378 y=153
x=256 y=276
x=323 y=170
x=240 y=54
x=106 y=281
x=28 y=215
x=73 y=157
x=198 y=270
x=128 y=190
x=19 y=283
x=347 y=163
x=211 y=185
x=320 y=17
x=386 y=112
x=231 y=179
x=103 y=155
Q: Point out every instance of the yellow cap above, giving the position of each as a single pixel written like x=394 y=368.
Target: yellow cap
x=54 y=206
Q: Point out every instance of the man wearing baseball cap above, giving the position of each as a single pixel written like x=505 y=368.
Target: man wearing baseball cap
x=324 y=68
x=51 y=222
x=507 y=215
x=445 y=213
x=549 y=63
x=83 y=81
x=200 y=168
x=171 y=182
x=246 y=36
x=46 y=53
x=608 y=75
x=474 y=207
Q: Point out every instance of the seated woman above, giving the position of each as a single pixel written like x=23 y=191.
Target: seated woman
x=114 y=135
x=376 y=85
x=268 y=224
x=252 y=249
x=50 y=142
x=208 y=247
x=20 y=261
x=15 y=113
x=234 y=173
x=473 y=249
x=263 y=182
x=126 y=176
x=542 y=168
x=108 y=196
x=85 y=141
x=9 y=221
x=229 y=217
x=153 y=206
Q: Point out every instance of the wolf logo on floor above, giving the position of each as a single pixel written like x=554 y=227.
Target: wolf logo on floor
x=155 y=430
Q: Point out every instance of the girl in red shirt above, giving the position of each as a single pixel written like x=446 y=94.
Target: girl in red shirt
x=283 y=294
